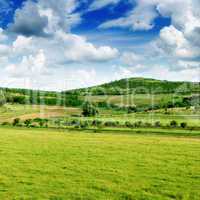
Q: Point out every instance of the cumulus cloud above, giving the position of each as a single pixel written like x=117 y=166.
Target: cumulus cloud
x=31 y=59
x=3 y=37
x=30 y=66
x=44 y=17
x=130 y=58
x=185 y=21
x=28 y=21
x=43 y=43
x=21 y=44
x=77 y=49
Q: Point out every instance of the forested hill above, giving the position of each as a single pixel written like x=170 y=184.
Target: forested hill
x=119 y=87
x=140 y=86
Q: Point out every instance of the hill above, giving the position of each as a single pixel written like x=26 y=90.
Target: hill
x=140 y=86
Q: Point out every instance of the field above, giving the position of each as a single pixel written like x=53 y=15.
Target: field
x=139 y=99
x=10 y=111
x=53 y=164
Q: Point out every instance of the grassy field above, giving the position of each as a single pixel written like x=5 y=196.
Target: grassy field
x=139 y=99
x=10 y=111
x=48 y=164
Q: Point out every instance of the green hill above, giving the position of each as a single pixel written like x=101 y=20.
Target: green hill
x=140 y=86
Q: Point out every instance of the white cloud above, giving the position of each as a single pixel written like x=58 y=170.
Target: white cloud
x=44 y=47
x=130 y=58
x=45 y=17
x=77 y=49
x=141 y=18
x=4 y=50
x=3 y=37
x=21 y=44
x=98 y=4
x=184 y=31
x=30 y=66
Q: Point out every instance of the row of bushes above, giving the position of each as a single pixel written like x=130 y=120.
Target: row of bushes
x=39 y=122
x=99 y=124
x=37 y=99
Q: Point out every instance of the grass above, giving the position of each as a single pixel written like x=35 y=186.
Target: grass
x=8 y=112
x=138 y=99
x=49 y=164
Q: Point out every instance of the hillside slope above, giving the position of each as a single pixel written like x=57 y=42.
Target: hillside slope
x=140 y=86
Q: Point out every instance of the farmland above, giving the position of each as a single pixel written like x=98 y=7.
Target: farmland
x=52 y=164
x=117 y=145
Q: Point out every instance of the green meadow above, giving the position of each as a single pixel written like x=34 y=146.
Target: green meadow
x=58 y=164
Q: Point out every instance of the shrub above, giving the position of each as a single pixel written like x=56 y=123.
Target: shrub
x=39 y=121
x=97 y=123
x=157 y=124
x=84 y=124
x=89 y=110
x=27 y=122
x=58 y=122
x=173 y=124
x=16 y=122
x=183 y=125
x=5 y=124
x=128 y=124
x=147 y=124
x=111 y=123
x=138 y=124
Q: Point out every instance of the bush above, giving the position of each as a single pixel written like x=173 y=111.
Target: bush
x=183 y=125
x=5 y=124
x=111 y=123
x=147 y=124
x=97 y=123
x=173 y=124
x=138 y=124
x=84 y=124
x=16 y=122
x=128 y=124
x=89 y=110
x=27 y=122
x=157 y=124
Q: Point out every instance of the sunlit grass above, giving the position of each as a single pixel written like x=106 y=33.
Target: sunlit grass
x=48 y=164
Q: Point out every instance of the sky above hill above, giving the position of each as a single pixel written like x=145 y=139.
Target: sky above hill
x=64 y=44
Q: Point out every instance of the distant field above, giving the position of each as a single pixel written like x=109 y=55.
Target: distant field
x=47 y=164
x=139 y=99
x=8 y=112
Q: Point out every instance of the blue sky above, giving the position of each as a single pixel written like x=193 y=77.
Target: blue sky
x=65 y=44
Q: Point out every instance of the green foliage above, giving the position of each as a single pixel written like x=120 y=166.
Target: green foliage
x=16 y=122
x=173 y=123
x=5 y=124
x=89 y=110
x=157 y=124
x=183 y=125
x=2 y=98
x=140 y=86
x=27 y=122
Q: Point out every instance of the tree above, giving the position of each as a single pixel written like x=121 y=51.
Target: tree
x=183 y=125
x=28 y=122
x=173 y=124
x=157 y=124
x=89 y=110
x=2 y=99
x=16 y=122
